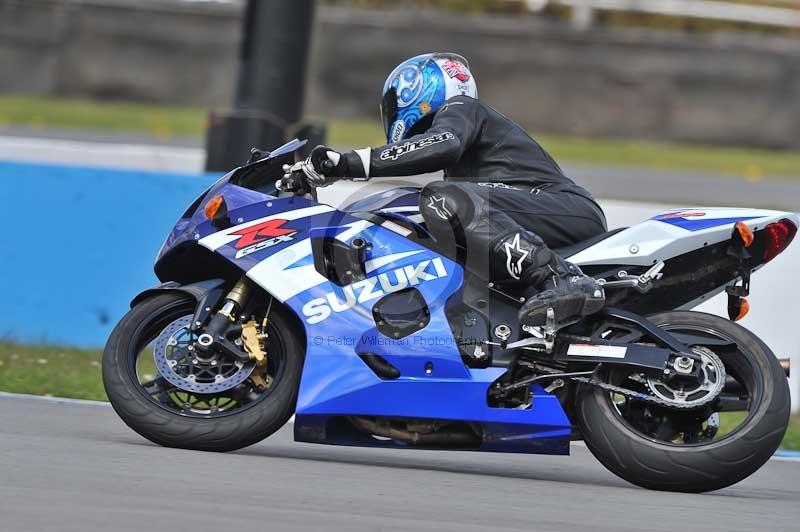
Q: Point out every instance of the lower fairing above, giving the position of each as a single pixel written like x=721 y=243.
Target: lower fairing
x=497 y=437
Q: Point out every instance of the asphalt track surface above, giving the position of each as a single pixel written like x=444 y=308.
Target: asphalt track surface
x=77 y=467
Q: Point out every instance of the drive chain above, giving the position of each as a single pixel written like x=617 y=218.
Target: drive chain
x=643 y=396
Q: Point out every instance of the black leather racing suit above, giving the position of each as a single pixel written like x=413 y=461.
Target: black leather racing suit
x=502 y=192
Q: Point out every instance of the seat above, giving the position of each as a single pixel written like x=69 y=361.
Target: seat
x=580 y=246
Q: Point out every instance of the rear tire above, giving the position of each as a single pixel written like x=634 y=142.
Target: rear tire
x=658 y=465
x=159 y=425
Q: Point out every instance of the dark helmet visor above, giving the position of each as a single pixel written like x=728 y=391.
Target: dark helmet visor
x=389 y=109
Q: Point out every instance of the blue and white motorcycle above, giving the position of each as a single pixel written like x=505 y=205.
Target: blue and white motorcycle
x=357 y=323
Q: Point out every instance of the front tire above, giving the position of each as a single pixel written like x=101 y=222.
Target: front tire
x=699 y=466
x=225 y=432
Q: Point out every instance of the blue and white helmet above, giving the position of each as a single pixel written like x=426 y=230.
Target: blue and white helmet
x=419 y=87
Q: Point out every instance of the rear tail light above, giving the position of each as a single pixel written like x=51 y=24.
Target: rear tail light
x=778 y=237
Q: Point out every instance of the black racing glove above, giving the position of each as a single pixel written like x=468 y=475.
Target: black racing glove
x=324 y=166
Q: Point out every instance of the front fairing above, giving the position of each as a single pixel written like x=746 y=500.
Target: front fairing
x=246 y=185
x=194 y=225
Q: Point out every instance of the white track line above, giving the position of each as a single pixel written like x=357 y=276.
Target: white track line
x=102 y=155
x=50 y=399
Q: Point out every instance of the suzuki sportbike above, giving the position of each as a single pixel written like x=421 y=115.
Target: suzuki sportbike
x=356 y=322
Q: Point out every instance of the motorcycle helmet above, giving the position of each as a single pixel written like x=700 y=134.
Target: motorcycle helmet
x=418 y=88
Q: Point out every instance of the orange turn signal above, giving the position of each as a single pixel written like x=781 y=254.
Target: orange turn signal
x=744 y=309
x=213 y=207
x=746 y=233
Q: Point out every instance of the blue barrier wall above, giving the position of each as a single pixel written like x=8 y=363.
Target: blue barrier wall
x=78 y=243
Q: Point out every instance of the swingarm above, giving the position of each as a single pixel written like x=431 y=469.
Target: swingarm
x=659 y=355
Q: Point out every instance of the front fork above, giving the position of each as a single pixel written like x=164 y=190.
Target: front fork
x=223 y=324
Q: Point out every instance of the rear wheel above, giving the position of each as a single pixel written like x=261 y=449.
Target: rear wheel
x=208 y=403
x=693 y=448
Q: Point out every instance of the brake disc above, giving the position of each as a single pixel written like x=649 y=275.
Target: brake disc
x=187 y=370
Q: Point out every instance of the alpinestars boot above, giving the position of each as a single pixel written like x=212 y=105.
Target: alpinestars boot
x=560 y=285
x=568 y=291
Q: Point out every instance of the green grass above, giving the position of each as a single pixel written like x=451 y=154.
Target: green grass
x=750 y=164
x=792 y=439
x=51 y=370
x=166 y=122
x=162 y=121
x=75 y=373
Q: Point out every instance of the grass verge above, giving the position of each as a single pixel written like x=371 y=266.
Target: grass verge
x=51 y=370
x=75 y=373
x=166 y=122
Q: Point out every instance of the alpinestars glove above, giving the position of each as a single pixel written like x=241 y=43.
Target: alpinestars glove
x=324 y=166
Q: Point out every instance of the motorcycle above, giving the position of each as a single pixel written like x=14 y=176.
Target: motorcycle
x=360 y=325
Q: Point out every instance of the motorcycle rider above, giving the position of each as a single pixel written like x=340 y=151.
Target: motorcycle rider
x=502 y=193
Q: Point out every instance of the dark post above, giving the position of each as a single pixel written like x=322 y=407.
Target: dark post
x=269 y=98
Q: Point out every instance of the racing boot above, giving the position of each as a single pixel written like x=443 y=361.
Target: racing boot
x=558 y=284
x=568 y=291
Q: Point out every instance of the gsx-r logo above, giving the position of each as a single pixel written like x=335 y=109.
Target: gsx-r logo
x=262 y=236
x=371 y=288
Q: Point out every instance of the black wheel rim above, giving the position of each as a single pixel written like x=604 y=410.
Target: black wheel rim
x=734 y=408
x=165 y=395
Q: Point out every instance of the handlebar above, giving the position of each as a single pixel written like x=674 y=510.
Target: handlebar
x=297 y=182
x=328 y=166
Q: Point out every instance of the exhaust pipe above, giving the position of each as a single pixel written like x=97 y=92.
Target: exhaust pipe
x=785 y=363
x=452 y=437
x=732 y=386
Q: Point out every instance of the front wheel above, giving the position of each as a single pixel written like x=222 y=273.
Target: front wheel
x=692 y=449
x=175 y=397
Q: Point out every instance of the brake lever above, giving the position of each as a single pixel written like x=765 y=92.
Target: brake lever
x=294 y=174
x=294 y=179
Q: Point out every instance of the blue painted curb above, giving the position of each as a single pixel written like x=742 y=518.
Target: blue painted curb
x=787 y=454
x=79 y=243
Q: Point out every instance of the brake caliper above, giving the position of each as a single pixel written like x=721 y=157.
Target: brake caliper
x=254 y=340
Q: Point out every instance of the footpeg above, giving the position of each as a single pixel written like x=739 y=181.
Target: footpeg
x=550 y=326
x=541 y=337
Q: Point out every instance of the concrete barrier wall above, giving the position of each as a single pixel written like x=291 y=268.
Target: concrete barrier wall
x=737 y=88
x=156 y=51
